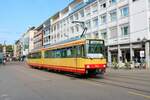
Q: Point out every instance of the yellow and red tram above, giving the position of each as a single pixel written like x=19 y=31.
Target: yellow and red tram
x=84 y=56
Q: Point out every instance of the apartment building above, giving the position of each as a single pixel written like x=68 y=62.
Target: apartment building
x=124 y=24
x=27 y=42
x=46 y=33
x=17 y=50
x=38 y=37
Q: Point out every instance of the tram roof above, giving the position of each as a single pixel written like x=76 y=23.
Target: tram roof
x=66 y=43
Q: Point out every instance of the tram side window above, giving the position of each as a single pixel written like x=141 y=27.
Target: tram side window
x=75 y=51
x=63 y=53
x=52 y=54
x=35 y=55
x=68 y=52
x=29 y=56
x=57 y=53
x=47 y=54
x=80 y=51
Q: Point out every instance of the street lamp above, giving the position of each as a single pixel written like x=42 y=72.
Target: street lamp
x=82 y=24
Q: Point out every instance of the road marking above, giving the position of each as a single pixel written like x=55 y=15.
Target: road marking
x=138 y=94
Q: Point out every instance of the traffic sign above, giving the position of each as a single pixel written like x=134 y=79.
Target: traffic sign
x=142 y=53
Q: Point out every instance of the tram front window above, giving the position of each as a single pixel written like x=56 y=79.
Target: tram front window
x=95 y=49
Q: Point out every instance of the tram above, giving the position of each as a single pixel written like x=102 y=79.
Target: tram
x=82 y=56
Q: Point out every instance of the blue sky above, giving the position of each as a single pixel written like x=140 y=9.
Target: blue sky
x=17 y=15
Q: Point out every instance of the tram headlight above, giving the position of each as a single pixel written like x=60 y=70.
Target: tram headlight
x=104 y=66
x=88 y=66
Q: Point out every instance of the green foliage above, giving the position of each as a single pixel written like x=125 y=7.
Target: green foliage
x=9 y=48
x=1 y=48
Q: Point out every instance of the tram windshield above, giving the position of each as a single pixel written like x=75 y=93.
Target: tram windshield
x=95 y=49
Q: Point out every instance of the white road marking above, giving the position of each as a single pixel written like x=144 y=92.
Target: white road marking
x=138 y=94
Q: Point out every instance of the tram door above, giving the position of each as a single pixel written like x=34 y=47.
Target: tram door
x=77 y=51
x=42 y=57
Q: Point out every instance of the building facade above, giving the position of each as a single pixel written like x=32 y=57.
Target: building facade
x=17 y=50
x=27 y=42
x=38 y=37
x=46 y=33
x=124 y=24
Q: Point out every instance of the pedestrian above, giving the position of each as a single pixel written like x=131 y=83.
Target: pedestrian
x=4 y=61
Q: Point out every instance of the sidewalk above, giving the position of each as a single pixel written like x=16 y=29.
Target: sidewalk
x=135 y=70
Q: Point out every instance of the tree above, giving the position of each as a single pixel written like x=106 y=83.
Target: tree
x=1 y=48
x=9 y=48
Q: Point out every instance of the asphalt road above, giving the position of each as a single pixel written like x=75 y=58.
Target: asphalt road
x=20 y=82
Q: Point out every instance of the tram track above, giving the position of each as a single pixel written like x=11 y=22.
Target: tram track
x=112 y=83
x=130 y=77
x=141 y=75
x=129 y=81
x=115 y=82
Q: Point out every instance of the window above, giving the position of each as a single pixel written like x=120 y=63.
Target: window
x=104 y=34
x=71 y=19
x=149 y=24
x=125 y=29
x=112 y=1
x=103 y=18
x=55 y=27
x=80 y=51
x=113 y=15
x=81 y=12
x=76 y=16
x=88 y=24
x=36 y=55
x=95 y=35
x=134 y=0
x=58 y=26
x=95 y=22
x=87 y=10
x=68 y=52
x=46 y=32
x=124 y=11
x=113 y=32
x=95 y=47
x=94 y=8
x=72 y=29
x=64 y=23
x=103 y=5
x=58 y=53
x=77 y=28
x=149 y=3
